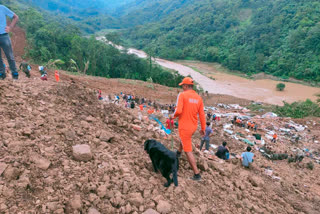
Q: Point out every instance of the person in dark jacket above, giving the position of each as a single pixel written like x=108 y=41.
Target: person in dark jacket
x=223 y=151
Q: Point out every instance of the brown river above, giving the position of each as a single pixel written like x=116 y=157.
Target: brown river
x=263 y=90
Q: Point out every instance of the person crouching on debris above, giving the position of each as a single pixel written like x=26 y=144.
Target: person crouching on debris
x=274 y=138
x=100 y=95
x=43 y=72
x=248 y=124
x=170 y=123
x=26 y=68
x=132 y=105
x=209 y=115
x=206 y=138
x=116 y=99
x=150 y=111
x=247 y=157
x=141 y=107
x=223 y=151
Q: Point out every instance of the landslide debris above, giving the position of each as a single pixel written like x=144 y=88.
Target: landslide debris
x=63 y=151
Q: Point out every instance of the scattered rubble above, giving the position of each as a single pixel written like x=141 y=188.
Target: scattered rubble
x=63 y=151
x=82 y=152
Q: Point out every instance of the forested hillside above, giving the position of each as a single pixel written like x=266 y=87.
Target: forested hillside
x=280 y=37
x=89 y=16
x=50 y=40
x=139 y=12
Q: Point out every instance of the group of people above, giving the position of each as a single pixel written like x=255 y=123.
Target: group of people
x=223 y=152
x=213 y=117
x=6 y=46
x=187 y=109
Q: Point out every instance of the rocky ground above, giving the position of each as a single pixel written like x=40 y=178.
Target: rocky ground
x=63 y=151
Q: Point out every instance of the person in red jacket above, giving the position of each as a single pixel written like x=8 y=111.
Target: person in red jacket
x=189 y=106
x=170 y=123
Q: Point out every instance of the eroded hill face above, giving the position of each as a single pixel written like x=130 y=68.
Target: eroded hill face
x=42 y=121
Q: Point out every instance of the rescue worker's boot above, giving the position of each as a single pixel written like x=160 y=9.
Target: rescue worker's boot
x=27 y=74
x=15 y=75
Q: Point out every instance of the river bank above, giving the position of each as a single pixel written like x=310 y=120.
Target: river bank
x=219 y=82
x=258 y=88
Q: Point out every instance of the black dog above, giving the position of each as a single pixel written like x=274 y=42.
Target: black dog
x=163 y=160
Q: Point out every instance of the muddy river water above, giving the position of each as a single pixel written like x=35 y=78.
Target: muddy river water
x=263 y=90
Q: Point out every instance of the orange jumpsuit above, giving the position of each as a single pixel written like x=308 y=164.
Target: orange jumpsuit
x=57 y=76
x=189 y=105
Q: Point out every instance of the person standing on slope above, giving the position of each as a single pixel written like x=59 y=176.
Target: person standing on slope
x=5 y=42
x=189 y=106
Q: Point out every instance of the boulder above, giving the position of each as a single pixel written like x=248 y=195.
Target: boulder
x=82 y=152
x=256 y=181
x=76 y=202
x=93 y=211
x=41 y=162
x=11 y=173
x=70 y=135
x=163 y=207
x=203 y=165
x=150 y=211
x=102 y=191
x=195 y=210
x=3 y=167
x=105 y=136
x=90 y=119
x=27 y=132
x=135 y=199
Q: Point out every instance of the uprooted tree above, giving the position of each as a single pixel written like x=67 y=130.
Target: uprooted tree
x=52 y=63
x=75 y=67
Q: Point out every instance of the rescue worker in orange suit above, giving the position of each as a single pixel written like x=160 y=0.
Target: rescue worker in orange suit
x=189 y=106
x=274 y=138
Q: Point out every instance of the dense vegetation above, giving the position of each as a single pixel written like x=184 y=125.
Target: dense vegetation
x=144 y=11
x=50 y=40
x=280 y=37
x=299 y=109
x=89 y=16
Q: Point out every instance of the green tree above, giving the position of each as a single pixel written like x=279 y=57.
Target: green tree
x=280 y=86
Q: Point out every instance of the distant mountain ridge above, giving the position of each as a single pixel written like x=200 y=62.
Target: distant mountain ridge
x=279 y=37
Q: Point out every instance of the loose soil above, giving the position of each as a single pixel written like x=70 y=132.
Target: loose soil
x=41 y=121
